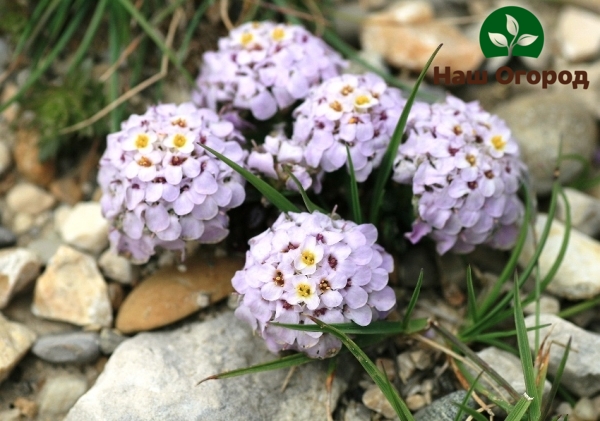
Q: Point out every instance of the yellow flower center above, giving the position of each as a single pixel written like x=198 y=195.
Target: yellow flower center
x=324 y=285
x=347 y=90
x=179 y=122
x=471 y=159
x=353 y=120
x=498 y=142
x=308 y=257
x=179 y=140
x=144 y=162
x=362 y=100
x=458 y=130
x=142 y=141
x=303 y=290
x=336 y=106
x=278 y=34
x=247 y=38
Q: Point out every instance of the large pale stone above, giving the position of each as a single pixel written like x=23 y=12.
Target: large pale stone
x=578 y=34
x=582 y=371
x=15 y=341
x=154 y=376
x=86 y=228
x=18 y=268
x=29 y=199
x=577 y=277
x=72 y=289
x=585 y=211
x=170 y=295
x=411 y=46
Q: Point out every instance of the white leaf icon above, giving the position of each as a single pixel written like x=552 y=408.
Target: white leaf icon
x=499 y=40
x=526 y=39
x=512 y=26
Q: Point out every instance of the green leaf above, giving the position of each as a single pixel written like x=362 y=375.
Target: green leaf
x=307 y=202
x=378 y=377
x=269 y=192
x=385 y=169
x=413 y=301
x=505 y=334
x=556 y=381
x=355 y=201
x=520 y=409
x=284 y=362
x=84 y=46
x=465 y=401
x=478 y=416
x=472 y=299
x=526 y=360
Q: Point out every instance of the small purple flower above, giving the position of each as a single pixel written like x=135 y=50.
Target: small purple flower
x=312 y=265
x=464 y=168
x=264 y=67
x=161 y=188
x=358 y=111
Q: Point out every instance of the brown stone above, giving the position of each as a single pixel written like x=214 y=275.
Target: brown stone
x=26 y=407
x=411 y=46
x=27 y=158
x=170 y=295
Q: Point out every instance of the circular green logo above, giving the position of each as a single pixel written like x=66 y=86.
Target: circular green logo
x=511 y=31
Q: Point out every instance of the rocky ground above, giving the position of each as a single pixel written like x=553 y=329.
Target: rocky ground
x=86 y=335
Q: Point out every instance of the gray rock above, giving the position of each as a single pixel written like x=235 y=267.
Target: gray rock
x=153 y=376
x=110 y=339
x=577 y=277
x=444 y=408
x=585 y=211
x=71 y=347
x=7 y=238
x=60 y=393
x=357 y=412
x=582 y=371
x=538 y=121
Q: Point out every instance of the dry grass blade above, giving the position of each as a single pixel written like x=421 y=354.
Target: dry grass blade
x=126 y=53
x=223 y=10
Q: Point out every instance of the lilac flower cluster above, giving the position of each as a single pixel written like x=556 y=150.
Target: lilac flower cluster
x=160 y=187
x=263 y=67
x=279 y=153
x=464 y=168
x=358 y=111
x=312 y=265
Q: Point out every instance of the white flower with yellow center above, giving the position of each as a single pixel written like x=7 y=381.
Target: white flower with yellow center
x=308 y=255
x=364 y=100
x=500 y=144
x=140 y=140
x=303 y=291
x=180 y=141
x=280 y=33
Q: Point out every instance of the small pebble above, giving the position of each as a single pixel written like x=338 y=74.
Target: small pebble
x=115 y=294
x=29 y=198
x=72 y=347
x=26 y=407
x=118 y=268
x=60 y=393
x=415 y=402
x=7 y=238
x=110 y=339
x=5 y=157
x=10 y=415
x=86 y=228
x=374 y=399
x=584 y=410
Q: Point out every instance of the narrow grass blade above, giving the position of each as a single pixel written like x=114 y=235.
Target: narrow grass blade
x=578 y=308
x=189 y=32
x=272 y=195
x=465 y=401
x=472 y=299
x=378 y=377
x=413 y=300
x=38 y=18
x=556 y=381
x=505 y=334
x=385 y=169
x=375 y=328
x=83 y=48
x=354 y=199
x=521 y=408
x=526 y=360
x=49 y=59
x=310 y=206
x=153 y=34
x=284 y=362
x=477 y=416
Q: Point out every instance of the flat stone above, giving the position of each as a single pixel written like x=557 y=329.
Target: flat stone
x=509 y=367
x=118 y=268
x=444 y=408
x=170 y=295
x=577 y=276
x=7 y=238
x=72 y=289
x=581 y=374
x=16 y=339
x=27 y=158
x=86 y=228
x=419 y=41
x=159 y=372
x=578 y=34
x=60 y=393
x=19 y=267
x=585 y=211
x=68 y=348
x=29 y=198
x=538 y=121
